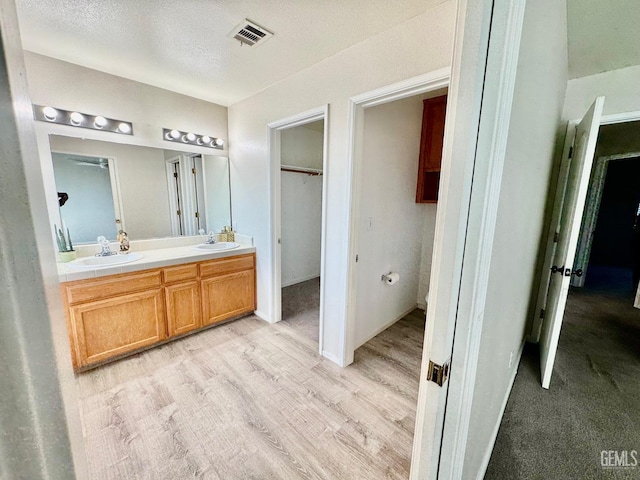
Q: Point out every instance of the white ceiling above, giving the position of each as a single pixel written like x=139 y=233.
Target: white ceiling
x=183 y=45
x=603 y=35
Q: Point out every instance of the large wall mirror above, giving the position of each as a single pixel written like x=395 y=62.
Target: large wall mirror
x=105 y=187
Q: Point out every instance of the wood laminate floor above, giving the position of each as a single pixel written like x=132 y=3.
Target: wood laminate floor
x=250 y=400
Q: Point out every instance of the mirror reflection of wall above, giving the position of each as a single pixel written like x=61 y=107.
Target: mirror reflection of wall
x=89 y=205
x=144 y=198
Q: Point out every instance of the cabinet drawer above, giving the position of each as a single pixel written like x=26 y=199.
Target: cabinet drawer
x=226 y=265
x=91 y=290
x=180 y=273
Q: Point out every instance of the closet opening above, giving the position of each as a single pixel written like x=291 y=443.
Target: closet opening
x=301 y=154
x=298 y=152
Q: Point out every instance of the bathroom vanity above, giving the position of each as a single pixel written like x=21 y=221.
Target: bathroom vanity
x=171 y=292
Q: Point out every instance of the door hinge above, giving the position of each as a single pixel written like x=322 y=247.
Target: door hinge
x=197 y=215
x=438 y=373
x=193 y=170
x=179 y=212
x=356 y=258
x=542 y=312
x=175 y=174
x=570 y=152
x=556 y=237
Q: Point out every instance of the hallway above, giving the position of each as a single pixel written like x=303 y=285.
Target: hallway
x=593 y=403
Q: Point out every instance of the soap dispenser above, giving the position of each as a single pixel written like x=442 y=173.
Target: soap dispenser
x=123 y=238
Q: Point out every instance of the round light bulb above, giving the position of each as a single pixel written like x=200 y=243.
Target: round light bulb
x=219 y=142
x=190 y=136
x=76 y=118
x=100 y=121
x=50 y=113
x=124 y=128
x=175 y=134
x=206 y=139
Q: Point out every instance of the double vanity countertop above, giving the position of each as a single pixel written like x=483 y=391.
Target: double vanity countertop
x=153 y=258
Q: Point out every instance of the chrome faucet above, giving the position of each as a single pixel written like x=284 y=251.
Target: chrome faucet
x=106 y=249
x=212 y=238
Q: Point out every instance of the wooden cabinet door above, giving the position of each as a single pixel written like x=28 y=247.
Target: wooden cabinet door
x=110 y=327
x=431 y=143
x=183 y=307
x=227 y=296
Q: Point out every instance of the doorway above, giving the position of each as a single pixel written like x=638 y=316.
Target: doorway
x=88 y=195
x=395 y=225
x=301 y=154
x=298 y=186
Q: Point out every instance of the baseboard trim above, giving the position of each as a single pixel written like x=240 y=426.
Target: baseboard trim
x=487 y=456
x=262 y=316
x=386 y=325
x=333 y=358
x=300 y=280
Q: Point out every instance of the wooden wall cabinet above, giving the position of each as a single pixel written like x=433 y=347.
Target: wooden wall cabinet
x=109 y=317
x=431 y=143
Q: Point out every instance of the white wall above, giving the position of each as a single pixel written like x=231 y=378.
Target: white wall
x=301 y=204
x=620 y=87
x=143 y=183
x=535 y=138
x=301 y=227
x=390 y=222
x=428 y=234
x=72 y=87
x=420 y=45
x=302 y=147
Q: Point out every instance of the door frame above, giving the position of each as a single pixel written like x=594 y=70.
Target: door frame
x=275 y=225
x=419 y=85
x=541 y=300
x=175 y=194
x=481 y=91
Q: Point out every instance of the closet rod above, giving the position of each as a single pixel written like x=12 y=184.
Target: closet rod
x=308 y=171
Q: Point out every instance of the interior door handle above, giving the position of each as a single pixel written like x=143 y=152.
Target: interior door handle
x=567 y=272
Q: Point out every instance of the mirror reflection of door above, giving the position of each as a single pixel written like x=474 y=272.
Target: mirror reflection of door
x=90 y=209
x=186 y=194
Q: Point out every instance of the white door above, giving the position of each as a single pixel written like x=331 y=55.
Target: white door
x=570 y=219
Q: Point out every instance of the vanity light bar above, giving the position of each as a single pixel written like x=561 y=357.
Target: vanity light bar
x=192 y=139
x=82 y=120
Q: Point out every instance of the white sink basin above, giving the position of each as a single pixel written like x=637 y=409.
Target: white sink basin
x=218 y=246
x=97 y=262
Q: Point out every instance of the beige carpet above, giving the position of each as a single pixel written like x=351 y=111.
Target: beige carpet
x=300 y=307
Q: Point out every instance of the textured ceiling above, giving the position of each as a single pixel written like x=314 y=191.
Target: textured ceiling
x=603 y=35
x=183 y=45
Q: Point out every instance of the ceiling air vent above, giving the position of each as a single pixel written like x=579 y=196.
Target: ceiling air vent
x=249 y=33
